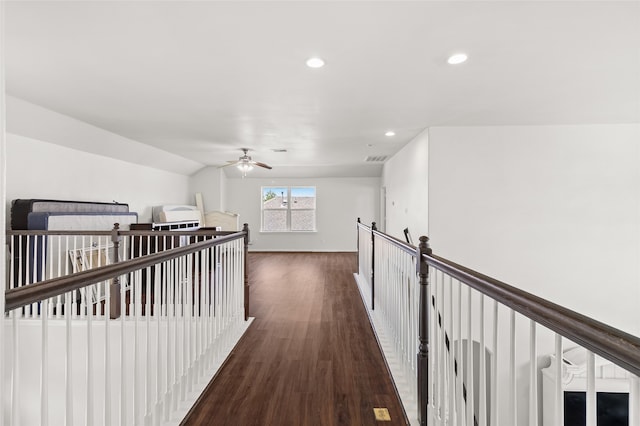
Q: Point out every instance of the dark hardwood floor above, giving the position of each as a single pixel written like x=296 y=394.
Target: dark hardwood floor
x=309 y=358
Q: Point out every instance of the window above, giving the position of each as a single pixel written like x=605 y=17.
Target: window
x=288 y=208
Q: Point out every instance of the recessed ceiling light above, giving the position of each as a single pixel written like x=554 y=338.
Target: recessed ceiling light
x=458 y=58
x=390 y=133
x=315 y=63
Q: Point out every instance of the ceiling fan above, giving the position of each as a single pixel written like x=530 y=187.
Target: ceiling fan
x=245 y=163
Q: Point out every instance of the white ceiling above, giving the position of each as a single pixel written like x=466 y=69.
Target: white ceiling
x=203 y=79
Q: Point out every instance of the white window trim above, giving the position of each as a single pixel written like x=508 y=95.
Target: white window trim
x=288 y=219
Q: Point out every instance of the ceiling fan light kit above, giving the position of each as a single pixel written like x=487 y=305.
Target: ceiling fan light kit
x=245 y=167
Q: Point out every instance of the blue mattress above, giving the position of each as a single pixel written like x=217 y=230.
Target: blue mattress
x=60 y=221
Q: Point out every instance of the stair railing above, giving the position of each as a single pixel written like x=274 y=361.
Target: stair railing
x=180 y=308
x=489 y=353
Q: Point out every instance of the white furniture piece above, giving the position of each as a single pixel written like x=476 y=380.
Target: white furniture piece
x=226 y=220
x=176 y=213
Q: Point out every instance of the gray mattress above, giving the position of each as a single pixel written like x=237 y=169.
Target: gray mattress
x=21 y=208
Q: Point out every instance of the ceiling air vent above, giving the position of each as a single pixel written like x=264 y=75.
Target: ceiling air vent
x=375 y=158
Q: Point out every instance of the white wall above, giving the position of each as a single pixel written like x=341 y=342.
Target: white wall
x=210 y=182
x=554 y=210
x=54 y=156
x=36 y=122
x=38 y=169
x=3 y=187
x=340 y=201
x=223 y=192
x=405 y=178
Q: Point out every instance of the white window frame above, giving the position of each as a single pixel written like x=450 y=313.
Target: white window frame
x=290 y=189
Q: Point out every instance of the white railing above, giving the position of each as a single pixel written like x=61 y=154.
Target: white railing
x=180 y=311
x=530 y=362
x=397 y=298
x=494 y=355
x=393 y=305
x=364 y=258
x=36 y=256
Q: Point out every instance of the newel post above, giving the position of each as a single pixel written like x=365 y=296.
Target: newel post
x=373 y=266
x=114 y=287
x=245 y=229
x=358 y=245
x=423 y=350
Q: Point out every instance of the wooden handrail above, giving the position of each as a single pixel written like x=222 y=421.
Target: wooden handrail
x=363 y=226
x=393 y=240
x=615 y=345
x=32 y=293
x=396 y=242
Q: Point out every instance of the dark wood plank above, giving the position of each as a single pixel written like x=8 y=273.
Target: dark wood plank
x=309 y=358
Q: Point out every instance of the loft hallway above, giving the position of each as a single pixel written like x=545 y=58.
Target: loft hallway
x=463 y=348
x=309 y=358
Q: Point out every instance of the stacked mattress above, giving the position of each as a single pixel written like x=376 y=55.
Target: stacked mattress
x=59 y=215
x=21 y=209
x=55 y=221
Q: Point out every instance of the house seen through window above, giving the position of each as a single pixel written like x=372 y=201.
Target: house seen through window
x=288 y=208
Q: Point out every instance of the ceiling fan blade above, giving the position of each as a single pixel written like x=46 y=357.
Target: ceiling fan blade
x=259 y=164
x=231 y=163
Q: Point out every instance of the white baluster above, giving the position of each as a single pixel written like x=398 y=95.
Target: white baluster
x=29 y=274
x=209 y=294
x=482 y=379
x=533 y=375
x=59 y=273
x=435 y=350
x=451 y=381
x=442 y=358
x=470 y=392
x=135 y=307
x=175 y=392
x=168 y=284
x=76 y=293
x=83 y=291
x=107 y=352
x=559 y=395
x=204 y=254
x=494 y=369
x=89 y=366
x=22 y=250
x=157 y=312
x=182 y=349
x=634 y=400
x=148 y=404
x=187 y=323
x=512 y=369
x=15 y=377
x=123 y=354
x=431 y=333
x=68 y=358
x=44 y=369
x=460 y=409
x=591 y=389
x=12 y=263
